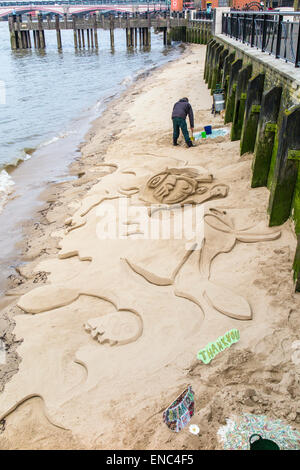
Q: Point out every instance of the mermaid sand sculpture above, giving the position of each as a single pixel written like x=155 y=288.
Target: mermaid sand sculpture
x=134 y=293
x=168 y=187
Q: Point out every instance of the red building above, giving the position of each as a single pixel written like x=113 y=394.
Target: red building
x=244 y=4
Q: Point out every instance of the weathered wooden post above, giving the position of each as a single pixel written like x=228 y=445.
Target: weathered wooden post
x=75 y=32
x=214 y=47
x=215 y=67
x=220 y=66
x=88 y=38
x=92 y=38
x=226 y=72
x=135 y=37
x=20 y=41
x=95 y=31
x=12 y=32
x=169 y=35
x=286 y=167
x=79 y=38
x=165 y=36
x=149 y=31
x=29 y=29
x=266 y=132
x=111 y=30
x=58 y=33
x=235 y=68
x=41 y=33
x=252 y=111
x=240 y=101
x=207 y=56
x=35 y=39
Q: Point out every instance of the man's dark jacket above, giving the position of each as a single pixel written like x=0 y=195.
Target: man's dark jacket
x=183 y=108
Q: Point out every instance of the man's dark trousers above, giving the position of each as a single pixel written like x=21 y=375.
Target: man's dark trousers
x=180 y=123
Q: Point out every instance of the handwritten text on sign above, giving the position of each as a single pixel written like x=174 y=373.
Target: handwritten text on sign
x=223 y=342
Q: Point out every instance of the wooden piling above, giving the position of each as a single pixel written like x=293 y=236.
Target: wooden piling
x=88 y=38
x=95 y=31
x=83 y=40
x=226 y=72
x=240 y=101
x=28 y=40
x=79 y=38
x=58 y=33
x=215 y=54
x=75 y=32
x=92 y=38
x=207 y=57
x=211 y=61
x=34 y=39
x=130 y=37
x=20 y=42
x=235 y=68
x=13 y=41
x=112 y=37
x=285 y=176
x=266 y=132
x=42 y=44
x=252 y=111
x=215 y=66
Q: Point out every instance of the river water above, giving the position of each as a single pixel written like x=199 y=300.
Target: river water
x=47 y=103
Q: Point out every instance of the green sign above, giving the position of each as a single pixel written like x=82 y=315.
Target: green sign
x=212 y=349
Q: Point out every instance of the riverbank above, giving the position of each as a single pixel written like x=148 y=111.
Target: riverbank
x=112 y=335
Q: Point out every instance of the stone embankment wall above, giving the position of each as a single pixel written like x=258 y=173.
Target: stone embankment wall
x=263 y=104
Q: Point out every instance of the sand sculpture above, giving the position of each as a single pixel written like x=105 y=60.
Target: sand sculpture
x=172 y=188
x=108 y=291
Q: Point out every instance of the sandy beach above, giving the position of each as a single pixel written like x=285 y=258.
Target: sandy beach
x=102 y=333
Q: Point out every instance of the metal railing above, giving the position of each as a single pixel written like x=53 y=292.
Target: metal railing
x=277 y=33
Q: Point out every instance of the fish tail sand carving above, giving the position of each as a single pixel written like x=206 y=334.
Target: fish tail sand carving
x=220 y=237
x=25 y=399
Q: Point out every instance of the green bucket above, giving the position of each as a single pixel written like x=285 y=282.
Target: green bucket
x=203 y=135
x=262 y=444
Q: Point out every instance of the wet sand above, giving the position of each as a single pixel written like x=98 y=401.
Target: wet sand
x=101 y=346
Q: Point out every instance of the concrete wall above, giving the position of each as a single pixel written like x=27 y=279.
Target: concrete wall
x=262 y=97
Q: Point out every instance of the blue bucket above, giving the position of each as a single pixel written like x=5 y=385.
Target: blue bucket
x=208 y=130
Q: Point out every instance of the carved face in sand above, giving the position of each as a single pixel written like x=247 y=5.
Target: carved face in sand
x=172 y=186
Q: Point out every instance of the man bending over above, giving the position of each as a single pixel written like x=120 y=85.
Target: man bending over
x=180 y=111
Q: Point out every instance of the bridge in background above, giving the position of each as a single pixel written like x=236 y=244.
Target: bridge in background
x=68 y=9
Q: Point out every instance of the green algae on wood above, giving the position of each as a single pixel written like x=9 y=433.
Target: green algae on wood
x=251 y=117
x=240 y=100
x=215 y=67
x=235 y=68
x=212 y=61
x=226 y=70
x=210 y=45
x=285 y=169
